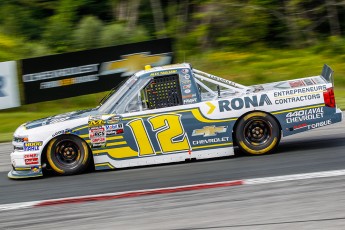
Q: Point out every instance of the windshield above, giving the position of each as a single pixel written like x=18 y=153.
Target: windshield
x=108 y=103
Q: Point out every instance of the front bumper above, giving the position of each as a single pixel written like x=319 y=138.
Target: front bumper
x=25 y=172
x=25 y=167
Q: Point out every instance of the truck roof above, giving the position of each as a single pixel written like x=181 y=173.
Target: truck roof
x=163 y=68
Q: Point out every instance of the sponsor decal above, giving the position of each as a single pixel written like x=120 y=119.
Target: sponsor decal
x=35 y=168
x=115 y=126
x=221 y=80
x=187 y=76
x=185 y=70
x=246 y=102
x=98 y=141
x=32 y=146
x=114 y=129
x=95 y=117
x=211 y=140
x=282 y=85
x=258 y=88
x=304 y=115
x=308 y=81
x=187 y=90
x=296 y=127
x=66 y=131
x=31 y=155
x=311 y=89
x=97 y=136
x=186 y=82
x=163 y=73
x=295 y=84
x=114 y=132
x=297 y=99
x=208 y=131
x=97 y=132
x=320 y=124
x=189 y=101
x=95 y=121
x=187 y=86
x=31 y=159
x=113 y=119
x=317 y=80
x=188 y=96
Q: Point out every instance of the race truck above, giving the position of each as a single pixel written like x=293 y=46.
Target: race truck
x=173 y=113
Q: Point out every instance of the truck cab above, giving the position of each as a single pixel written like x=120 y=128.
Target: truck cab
x=167 y=86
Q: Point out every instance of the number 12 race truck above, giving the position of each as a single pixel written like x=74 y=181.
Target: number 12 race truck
x=173 y=113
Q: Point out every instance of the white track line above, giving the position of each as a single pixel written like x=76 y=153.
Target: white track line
x=292 y=177
x=137 y=193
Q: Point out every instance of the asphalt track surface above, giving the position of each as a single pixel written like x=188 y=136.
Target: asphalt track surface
x=306 y=204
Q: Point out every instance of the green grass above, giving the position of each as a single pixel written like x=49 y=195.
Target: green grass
x=268 y=65
x=340 y=97
x=244 y=67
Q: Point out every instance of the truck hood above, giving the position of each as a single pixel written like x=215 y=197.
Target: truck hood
x=60 y=118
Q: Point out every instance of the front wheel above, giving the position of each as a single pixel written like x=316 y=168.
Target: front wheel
x=67 y=155
x=257 y=133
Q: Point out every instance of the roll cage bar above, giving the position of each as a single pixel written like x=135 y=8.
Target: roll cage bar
x=233 y=86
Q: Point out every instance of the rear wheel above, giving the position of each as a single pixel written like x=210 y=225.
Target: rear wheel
x=67 y=155
x=257 y=133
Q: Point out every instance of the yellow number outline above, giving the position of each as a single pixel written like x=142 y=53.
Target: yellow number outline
x=167 y=128
x=141 y=135
x=169 y=146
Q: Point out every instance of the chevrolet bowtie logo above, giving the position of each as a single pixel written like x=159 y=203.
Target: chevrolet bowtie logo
x=132 y=63
x=208 y=131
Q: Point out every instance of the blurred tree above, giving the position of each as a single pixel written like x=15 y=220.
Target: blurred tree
x=59 y=29
x=88 y=33
x=116 y=34
x=64 y=25
x=20 y=20
x=333 y=17
x=224 y=23
x=126 y=11
x=158 y=16
x=99 y=8
x=132 y=14
x=291 y=17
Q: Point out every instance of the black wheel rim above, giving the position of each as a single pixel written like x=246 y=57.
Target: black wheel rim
x=257 y=131
x=67 y=153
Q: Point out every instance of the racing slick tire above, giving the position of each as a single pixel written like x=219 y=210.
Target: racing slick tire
x=257 y=133
x=68 y=155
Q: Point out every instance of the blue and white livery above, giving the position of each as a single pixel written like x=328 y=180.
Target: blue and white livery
x=173 y=113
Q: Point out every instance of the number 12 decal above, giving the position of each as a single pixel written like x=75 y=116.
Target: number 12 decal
x=169 y=134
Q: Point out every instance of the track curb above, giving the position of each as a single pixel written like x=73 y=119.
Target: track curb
x=167 y=190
